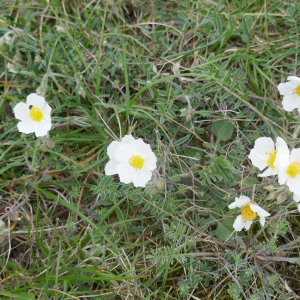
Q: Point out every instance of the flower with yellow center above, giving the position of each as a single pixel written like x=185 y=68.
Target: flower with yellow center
x=34 y=115
x=249 y=212
x=133 y=160
x=263 y=155
x=289 y=168
x=291 y=93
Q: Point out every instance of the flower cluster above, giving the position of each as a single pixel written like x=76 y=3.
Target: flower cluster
x=133 y=160
x=273 y=160
x=281 y=162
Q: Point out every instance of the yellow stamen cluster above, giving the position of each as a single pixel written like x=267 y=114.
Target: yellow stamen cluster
x=271 y=158
x=136 y=162
x=36 y=114
x=248 y=214
x=297 y=90
x=293 y=169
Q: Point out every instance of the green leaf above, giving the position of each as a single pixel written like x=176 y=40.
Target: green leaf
x=146 y=207
x=222 y=160
x=250 y=181
x=245 y=28
x=23 y=296
x=224 y=226
x=274 y=6
x=19 y=296
x=223 y=129
x=214 y=147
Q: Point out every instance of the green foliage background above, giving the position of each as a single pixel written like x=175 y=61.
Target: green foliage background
x=195 y=79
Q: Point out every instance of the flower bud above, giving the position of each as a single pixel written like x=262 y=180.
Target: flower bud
x=281 y=198
x=14 y=216
x=160 y=184
x=269 y=188
x=188 y=118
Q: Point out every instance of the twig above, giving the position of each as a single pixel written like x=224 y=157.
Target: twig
x=13 y=210
x=113 y=84
x=270 y=220
x=261 y=277
x=236 y=281
x=170 y=146
x=82 y=189
x=256 y=185
x=282 y=281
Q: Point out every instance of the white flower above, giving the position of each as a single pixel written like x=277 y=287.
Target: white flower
x=264 y=154
x=289 y=168
x=291 y=93
x=35 y=119
x=133 y=160
x=249 y=213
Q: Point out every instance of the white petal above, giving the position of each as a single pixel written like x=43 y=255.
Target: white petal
x=283 y=153
x=242 y=200
x=263 y=213
x=270 y=171
x=111 y=149
x=258 y=160
x=111 y=167
x=294 y=78
x=36 y=101
x=27 y=126
x=264 y=144
x=281 y=144
x=238 y=224
x=258 y=154
x=299 y=207
x=248 y=224
x=123 y=153
x=260 y=211
x=128 y=139
x=150 y=161
x=141 y=177
x=296 y=198
x=282 y=175
x=290 y=102
x=42 y=127
x=21 y=111
x=126 y=172
x=262 y=221
x=294 y=184
x=140 y=148
x=287 y=88
x=47 y=112
x=295 y=155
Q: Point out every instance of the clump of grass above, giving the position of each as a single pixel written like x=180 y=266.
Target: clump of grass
x=195 y=80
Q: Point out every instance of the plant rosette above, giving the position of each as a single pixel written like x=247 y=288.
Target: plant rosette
x=249 y=212
x=34 y=115
x=132 y=159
